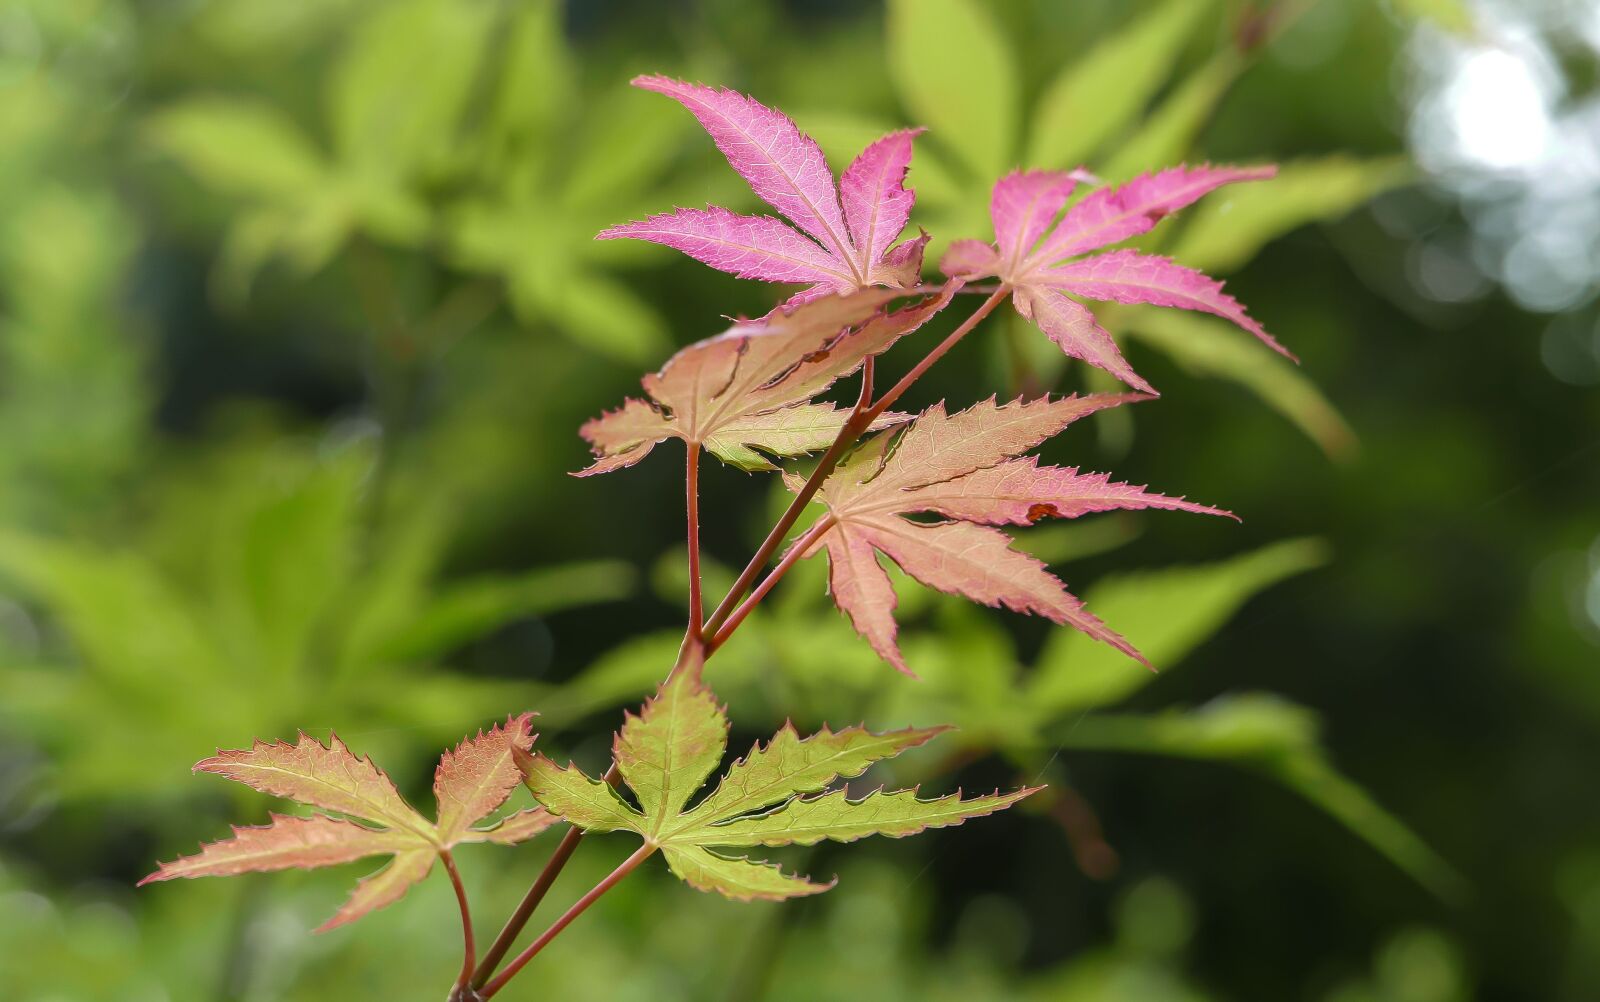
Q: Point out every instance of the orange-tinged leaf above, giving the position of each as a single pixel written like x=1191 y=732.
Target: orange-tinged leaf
x=326 y=776
x=385 y=887
x=288 y=842
x=747 y=391
x=961 y=466
x=470 y=782
x=514 y=828
x=478 y=776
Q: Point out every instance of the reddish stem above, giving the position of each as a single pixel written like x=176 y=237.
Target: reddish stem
x=896 y=391
x=692 y=505
x=530 y=901
x=578 y=908
x=469 y=959
x=859 y=421
x=790 y=558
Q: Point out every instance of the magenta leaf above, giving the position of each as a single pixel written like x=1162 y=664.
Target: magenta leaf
x=1126 y=276
x=846 y=232
x=1032 y=259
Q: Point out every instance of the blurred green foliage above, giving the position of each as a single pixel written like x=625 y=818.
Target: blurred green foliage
x=299 y=311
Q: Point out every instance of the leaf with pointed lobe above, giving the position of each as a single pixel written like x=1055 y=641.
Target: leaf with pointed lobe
x=513 y=828
x=877 y=204
x=470 y=782
x=750 y=388
x=1075 y=330
x=1020 y=492
x=1111 y=215
x=478 y=776
x=1023 y=205
x=287 y=842
x=835 y=817
x=961 y=466
x=757 y=247
x=384 y=887
x=941 y=446
x=1127 y=276
x=326 y=776
x=846 y=231
x=571 y=795
x=1033 y=259
x=790 y=764
x=783 y=166
x=665 y=754
x=738 y=878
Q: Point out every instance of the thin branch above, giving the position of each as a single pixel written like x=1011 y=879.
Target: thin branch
x=530 y=902
x=790 y=558
x=898 y=389
x=858 y=422
x=578 y=908
x=469 y=958
x=692 y=505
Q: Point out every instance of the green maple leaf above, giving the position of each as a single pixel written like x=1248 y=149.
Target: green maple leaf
x=777 y=795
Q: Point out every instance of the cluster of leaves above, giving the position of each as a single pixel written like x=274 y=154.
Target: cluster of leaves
x=953 y=67
x=776 y=795
x=748 y=389
x=264 y=595
x=453 y=127
x=750 y=397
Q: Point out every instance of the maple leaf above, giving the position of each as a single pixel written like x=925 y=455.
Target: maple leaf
x=964 y=467
x=1044 y=281
x=846 y=234
x=776 y=795
x=469 y=784
x=749 y=388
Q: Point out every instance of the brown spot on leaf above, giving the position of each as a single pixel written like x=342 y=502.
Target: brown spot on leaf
x=1042 y=510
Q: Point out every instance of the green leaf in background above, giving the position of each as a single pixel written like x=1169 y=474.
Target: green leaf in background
x=239 y=146
x=1104 y=90
x=1207 y=347
x=1169 y=133
x=398 y=91
x=1229 y=228
x=1166 y=613
x=474 y=607
x=1452 y=15
x=1278 y=738
x=955 y=72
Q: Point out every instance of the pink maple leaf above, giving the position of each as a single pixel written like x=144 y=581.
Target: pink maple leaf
x=965 y=468
x=1037 y=263
x=845 y=240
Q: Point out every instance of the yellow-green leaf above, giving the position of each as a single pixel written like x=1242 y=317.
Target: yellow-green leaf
x=667 y=751
x=1169 y=133
x=1228 y=228
x=955 y=72
x=789 y=765
x=1166 y=613
x=587 y=803
x=1279 y=739
x=834 y=816
x=1104 y=91
x=739 y=879
x=1206 y=346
